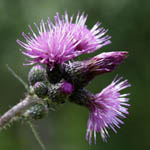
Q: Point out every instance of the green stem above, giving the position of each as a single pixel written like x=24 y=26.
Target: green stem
x=36 y=135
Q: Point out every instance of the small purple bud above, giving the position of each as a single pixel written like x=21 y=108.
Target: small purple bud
x=67 y=88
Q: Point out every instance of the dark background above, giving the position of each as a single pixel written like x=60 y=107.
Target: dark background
x=128 y=22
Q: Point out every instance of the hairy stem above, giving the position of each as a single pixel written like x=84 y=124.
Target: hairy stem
x=18 y=109
x=18 y=77
x=36 y=135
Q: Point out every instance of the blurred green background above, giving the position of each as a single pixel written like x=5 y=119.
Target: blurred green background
x=128 y=22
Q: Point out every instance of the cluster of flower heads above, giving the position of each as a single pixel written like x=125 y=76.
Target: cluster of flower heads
x=59 y=42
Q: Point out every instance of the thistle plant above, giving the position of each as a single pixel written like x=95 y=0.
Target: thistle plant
x=56 y=77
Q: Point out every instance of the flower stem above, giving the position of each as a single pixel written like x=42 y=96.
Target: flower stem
x=36 y=135
x=18 y=109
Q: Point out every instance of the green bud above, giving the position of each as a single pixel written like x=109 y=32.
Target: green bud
x=38 y=111
x=37 y=73
x=56 y=94
x=40 y=89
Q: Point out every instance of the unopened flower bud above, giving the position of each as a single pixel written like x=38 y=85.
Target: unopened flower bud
x=37 y=73
x=66 y=88
x=37 y=111
x=80 y=73
x=40 y=89
x=59 y=92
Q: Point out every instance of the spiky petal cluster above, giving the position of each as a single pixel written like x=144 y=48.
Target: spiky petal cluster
x=106 y=109
x=62 y=41
x=106 y=62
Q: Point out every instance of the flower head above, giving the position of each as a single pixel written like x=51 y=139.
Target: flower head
x=106 y=109
x=80 y=73
x=105 y=62
x=62 y=41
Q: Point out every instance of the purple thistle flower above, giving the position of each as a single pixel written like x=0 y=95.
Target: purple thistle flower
x=106 y=109
x=62 y=41
x=105 y=62
x=80 y=73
